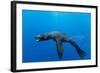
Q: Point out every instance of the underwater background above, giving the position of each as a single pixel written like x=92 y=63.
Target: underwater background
x=75 y=25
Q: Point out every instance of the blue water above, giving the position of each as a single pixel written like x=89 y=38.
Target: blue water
x=74 y=24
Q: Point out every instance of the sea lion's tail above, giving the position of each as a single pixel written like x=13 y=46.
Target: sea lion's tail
x=59 y=49
x=79 y=51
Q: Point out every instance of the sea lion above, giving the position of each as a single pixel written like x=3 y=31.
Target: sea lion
x=60 y=38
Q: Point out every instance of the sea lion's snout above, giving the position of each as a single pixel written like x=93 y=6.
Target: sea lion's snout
x=38 y=38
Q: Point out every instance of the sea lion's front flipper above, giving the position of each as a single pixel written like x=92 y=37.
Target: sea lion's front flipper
x=79 y=51
x=59 y=48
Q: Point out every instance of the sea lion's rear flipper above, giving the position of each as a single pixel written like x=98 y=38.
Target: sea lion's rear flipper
x=59 y=49
x=79 y=51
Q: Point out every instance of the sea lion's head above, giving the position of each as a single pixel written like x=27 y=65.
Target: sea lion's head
x=40 y=38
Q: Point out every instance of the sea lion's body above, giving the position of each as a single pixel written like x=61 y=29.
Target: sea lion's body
x=60 y=38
